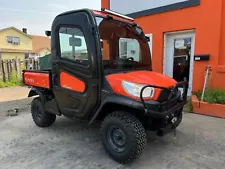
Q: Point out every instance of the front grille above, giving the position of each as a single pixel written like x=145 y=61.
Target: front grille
x=165 y=94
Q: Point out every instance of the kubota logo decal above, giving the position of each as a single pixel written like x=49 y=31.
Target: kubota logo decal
x=29 y=80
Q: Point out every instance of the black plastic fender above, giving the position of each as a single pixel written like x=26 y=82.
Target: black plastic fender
x=34 y=92
x=113 y=99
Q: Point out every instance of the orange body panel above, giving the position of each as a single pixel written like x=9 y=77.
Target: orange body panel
x=37 y=79
x=141 y=77
x=72 y=83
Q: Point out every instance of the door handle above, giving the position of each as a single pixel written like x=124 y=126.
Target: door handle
x=55 y=80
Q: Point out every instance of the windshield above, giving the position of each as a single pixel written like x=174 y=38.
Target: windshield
x=124 y=47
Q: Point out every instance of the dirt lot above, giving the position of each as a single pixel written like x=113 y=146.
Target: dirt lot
x=200 y=143
x=13 y=93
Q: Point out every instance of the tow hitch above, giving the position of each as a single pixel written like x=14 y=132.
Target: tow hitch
x=169 y=127
x=173 y=121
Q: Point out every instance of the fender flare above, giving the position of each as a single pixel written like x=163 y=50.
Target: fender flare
x=34 y=92
x=113 y=99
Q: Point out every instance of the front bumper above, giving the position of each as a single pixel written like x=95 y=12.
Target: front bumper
x=164 y=116
x=164 y=109
x=159 y=110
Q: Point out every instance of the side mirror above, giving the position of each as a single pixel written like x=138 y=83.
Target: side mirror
x=75 y=41
x=48 y=33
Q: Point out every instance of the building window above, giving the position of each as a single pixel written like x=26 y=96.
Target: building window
x=26 y=55
x=73 y=45
x=13 y=40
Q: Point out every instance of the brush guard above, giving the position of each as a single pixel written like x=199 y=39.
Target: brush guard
x=169 y=111
x=182 y=99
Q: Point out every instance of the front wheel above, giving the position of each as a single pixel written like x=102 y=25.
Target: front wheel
x=123 y=136
x=40 y=117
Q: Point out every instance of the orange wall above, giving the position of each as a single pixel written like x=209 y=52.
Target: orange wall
x=222 y=42
x=220 y=75
x=206 y=19
x=206 y=22
x=105 y=3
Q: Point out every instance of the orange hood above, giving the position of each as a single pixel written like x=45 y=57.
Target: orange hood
x=141 y=77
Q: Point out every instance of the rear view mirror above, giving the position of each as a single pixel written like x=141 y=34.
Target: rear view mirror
x=48 y=33
x=75 y=41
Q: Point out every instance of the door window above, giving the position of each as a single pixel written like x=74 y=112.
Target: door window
x=73 y=45
x=182 y=48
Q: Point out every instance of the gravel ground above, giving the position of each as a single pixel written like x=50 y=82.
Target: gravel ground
x=199 y=144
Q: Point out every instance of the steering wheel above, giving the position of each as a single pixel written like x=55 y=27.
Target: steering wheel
x=78 y=59
x=130 y=58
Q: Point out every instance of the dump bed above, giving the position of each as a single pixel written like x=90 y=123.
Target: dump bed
x=37 y=78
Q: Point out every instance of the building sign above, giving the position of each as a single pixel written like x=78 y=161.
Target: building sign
x=132 y=6
x=179 y=43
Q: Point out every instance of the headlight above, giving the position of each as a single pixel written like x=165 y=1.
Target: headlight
x=134 y=89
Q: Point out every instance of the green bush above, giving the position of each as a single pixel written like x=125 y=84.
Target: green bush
x=2 y=84
x=198 y=94
x=188 y=108
x=212 y=96
x=14 y=80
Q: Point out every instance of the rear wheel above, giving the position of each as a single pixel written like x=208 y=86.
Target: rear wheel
x=123 y=136
x=40 y=117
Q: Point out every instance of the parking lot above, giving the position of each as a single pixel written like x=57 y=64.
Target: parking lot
x=199 y=143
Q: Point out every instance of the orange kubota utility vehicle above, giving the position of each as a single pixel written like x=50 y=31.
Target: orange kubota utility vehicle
x=101 y=70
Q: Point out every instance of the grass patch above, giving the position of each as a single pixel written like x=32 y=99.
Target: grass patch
x=212 y=96
x=188 y=108
x=14 y=80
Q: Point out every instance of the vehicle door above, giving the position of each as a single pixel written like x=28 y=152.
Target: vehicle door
x=76 y=65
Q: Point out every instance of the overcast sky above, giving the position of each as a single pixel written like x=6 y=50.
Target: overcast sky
x=38 y=15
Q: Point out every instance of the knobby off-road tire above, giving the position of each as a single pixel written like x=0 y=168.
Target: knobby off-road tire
x=130 y=127
x=40 y=117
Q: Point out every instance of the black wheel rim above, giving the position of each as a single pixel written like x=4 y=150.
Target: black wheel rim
x=38 y=112
x=116 y=139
